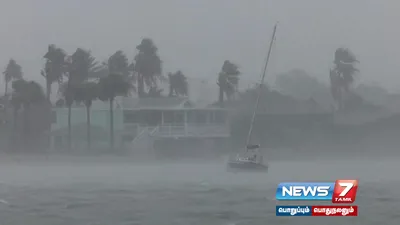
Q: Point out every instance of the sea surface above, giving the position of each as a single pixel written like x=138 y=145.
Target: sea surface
x=79 y=192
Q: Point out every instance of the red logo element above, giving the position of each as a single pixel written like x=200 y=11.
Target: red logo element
x=345 y=191
x=332 y=210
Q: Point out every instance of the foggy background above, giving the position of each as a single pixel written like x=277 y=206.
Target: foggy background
x=196 y=36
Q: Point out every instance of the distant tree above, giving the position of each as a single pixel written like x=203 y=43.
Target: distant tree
x=87 y=92
x=147 y=66
x=228 y=80
x=25 y=94
x=178 y=85
x=54 y=68
x=12 y=72
x=342 y=75
x=299 y=84
x=110 y=87
x=373 y=93
x=82 y=63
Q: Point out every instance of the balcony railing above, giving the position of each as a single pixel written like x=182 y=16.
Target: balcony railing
x=191 y=130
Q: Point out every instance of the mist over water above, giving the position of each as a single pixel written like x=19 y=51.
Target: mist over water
x=327 y=110
x=112 y=190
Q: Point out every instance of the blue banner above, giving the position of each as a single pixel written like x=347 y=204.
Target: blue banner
x=304 y=191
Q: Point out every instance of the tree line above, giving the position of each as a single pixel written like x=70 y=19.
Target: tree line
x=83 y=79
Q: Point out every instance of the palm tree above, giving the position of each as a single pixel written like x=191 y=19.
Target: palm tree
x=16 y=102
x=228 y=80
x=81 y=65
x=12 y=72
x=54 y=68
x=110 y=87
x=178 y=85
x=118 y=64
x=25 y=94
x=87 y=92
x=147 y=66
x=342 y=76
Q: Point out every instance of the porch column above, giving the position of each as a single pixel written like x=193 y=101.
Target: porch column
x=162 y=117
x=185 y=120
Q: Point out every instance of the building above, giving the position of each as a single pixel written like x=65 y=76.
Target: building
x=148 y=127
x=100 y=126
x=176 y=127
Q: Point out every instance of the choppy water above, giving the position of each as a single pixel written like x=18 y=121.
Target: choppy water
x=46 y=193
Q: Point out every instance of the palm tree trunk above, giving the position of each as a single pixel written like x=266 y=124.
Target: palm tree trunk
x=48 y=90
x=69 y=128
x=112 y=123
x=26 y=125
x=140 y=86
x=88 y=127
x=221 y=97
x=6 y=88
x=170 y=91
x=15 y=126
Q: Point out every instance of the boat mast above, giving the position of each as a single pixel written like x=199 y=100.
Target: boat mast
x=260 y=88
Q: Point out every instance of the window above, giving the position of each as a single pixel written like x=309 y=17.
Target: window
x=220 y=116
x=131 y=117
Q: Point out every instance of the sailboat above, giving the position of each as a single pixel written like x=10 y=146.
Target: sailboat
x=254 y=161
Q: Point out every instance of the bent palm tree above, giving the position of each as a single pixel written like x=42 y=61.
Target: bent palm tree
x=178 y=85
x=54 y=68
x=342 y=76
x=228 y=80
x=110 y=87
x=147 y=66
x=12 y=72
x=82 y=63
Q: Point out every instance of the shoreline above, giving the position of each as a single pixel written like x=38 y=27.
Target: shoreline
x=54 y=158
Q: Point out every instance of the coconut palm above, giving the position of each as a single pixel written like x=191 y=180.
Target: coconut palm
x=81 y=65
x=12 y=72
x=110 y=87
x=147 y=66
x=87 y=92
x=118 y=64
x=342 y=76
x=345 y=66
x=178 y=85
x=54 y=68
x=228 y=80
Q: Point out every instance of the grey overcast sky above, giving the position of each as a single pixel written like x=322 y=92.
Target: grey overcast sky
x=198 y=35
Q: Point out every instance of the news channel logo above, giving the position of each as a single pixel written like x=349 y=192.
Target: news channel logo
x=341 y=191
